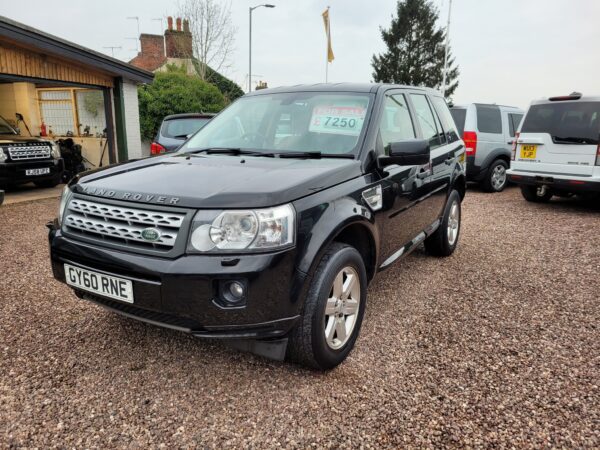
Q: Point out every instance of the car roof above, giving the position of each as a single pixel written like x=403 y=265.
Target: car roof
x=583 y=98
x=339 y=87
x=466 y=105
x=190 y=116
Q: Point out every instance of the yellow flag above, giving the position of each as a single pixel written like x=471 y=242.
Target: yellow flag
x=330 y=56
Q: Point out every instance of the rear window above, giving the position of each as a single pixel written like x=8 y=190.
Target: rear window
x=489 y=119
x=180 y=128
x=513 y=123
x=459 y=115
x=570 y=122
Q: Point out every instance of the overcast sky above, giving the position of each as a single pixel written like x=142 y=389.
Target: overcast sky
x=508 y=51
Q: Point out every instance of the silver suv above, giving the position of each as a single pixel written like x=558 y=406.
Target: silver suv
x=488 y=132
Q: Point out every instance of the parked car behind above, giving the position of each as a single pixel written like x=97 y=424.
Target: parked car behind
x=488 y=132
x=175 y=129
x=25 y=158
x=557 y=151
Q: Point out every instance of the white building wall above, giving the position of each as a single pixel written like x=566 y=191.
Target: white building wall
x=132 y=120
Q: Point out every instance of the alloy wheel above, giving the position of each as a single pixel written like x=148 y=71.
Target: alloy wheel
x=341 y=309
x=498 y=177
x=453 y=223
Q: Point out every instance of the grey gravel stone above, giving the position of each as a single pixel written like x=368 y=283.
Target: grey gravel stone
x=496 y=346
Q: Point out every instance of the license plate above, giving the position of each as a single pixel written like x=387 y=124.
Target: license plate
x=98 y=283
x=42 y=171
x=528 y=151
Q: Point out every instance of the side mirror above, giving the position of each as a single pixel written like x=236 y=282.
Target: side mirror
x=411 y=152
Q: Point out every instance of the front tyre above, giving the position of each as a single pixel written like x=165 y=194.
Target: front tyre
x=536 y=194
x=333 y=310
x=444 y=240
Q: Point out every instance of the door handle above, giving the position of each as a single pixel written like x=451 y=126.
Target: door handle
x=449 y=160
x=423 y=174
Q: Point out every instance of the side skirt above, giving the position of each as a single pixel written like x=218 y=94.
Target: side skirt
x=409 y=247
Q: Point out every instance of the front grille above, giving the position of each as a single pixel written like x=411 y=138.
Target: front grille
x=31 y=150
x=123 y=225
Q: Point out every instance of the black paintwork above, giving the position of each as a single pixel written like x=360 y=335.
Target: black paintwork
x=13 y=172
x=327 y=195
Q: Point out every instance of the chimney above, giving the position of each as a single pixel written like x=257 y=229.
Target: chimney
x=179 y=42
x=152 y=46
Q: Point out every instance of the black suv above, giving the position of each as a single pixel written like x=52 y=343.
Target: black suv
x=25 y=159
x=266 y=227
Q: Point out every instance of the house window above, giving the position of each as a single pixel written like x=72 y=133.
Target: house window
x=73 y=112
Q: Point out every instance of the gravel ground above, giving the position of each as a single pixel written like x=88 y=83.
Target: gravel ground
x=496 y=346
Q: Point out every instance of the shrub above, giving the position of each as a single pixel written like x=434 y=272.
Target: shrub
x=174 y=92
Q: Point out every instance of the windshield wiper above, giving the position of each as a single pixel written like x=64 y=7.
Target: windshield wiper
x=229 y=151
x=575 y=140
x=315 y=155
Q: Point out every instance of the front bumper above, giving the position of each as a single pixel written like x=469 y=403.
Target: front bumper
x=556 y=182
x=183 y=293
x=12 y=173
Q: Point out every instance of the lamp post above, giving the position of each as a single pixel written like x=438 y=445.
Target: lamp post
x=446 y=49
x=252 y=8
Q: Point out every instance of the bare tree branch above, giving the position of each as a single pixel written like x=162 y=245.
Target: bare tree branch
x=213 y=34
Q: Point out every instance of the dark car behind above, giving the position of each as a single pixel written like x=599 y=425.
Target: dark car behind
x=175 y=129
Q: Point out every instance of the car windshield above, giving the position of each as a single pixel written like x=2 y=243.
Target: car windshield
x=330 y=123
x=569 y=122
x=178 y=128
x=5 y=128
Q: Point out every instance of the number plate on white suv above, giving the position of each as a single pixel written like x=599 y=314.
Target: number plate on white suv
x=98 y=283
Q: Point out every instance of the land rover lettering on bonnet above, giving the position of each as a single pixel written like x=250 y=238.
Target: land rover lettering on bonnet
x=266 y=226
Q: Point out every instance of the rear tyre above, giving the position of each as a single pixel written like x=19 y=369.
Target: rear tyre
x=496 y=179
x=333 y=310
x=1 y=196
x=536 y=194
x=444 y=240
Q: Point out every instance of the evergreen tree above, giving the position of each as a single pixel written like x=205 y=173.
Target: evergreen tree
x=415 y=54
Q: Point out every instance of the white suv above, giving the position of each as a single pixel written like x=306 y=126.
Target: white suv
x=557 y=149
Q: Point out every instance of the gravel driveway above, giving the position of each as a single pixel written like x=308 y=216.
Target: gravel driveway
x=498 y=345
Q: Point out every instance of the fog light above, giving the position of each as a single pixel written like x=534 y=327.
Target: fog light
x=236 y=289
x=232 y=293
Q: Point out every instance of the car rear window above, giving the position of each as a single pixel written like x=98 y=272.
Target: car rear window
x=571 y=122
x=489 y=119
x=179 y=128
x=459 y=115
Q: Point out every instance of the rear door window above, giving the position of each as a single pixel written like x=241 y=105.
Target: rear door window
x=426 y=120
x=513 y=123
x=489 y=119
x=460 y=116
x=447 y=121
x=567 y=122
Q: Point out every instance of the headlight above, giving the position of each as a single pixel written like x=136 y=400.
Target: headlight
x=3 y=156
x=242 y=230
x=55 y=151
x=64 y=200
